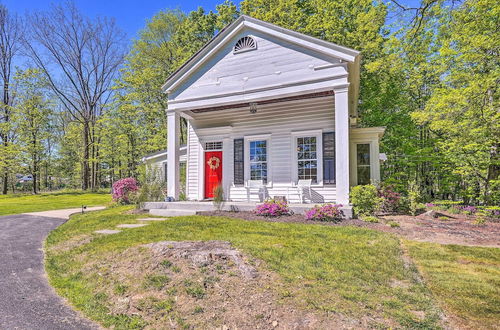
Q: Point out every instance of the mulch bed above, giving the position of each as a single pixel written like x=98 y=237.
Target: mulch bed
x=295 y=218
x=456 y=229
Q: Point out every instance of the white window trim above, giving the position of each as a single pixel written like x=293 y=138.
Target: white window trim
x=318 y=134
x=373 y=161
x=247 y=140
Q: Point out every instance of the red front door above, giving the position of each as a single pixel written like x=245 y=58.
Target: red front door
x=213 y=172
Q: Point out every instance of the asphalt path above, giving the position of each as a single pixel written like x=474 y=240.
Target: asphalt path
x=27 y=301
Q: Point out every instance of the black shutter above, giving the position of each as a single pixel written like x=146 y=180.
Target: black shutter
x=329 y=158
x=239 y=169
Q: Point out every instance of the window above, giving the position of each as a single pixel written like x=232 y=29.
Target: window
x=363 y=163
x=307 y=158
x=245 y=44
x=258 y=160
x=213 y=145
x=329 y=158
x=239 y=166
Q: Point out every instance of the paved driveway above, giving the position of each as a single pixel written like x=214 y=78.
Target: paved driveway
x=27 y=301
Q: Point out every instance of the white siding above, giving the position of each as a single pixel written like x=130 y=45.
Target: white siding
x=277 y=120
x=274 y=64
x=192 y=168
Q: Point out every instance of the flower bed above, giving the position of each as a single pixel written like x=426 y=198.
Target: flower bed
x=272 y=208
x=325 y=212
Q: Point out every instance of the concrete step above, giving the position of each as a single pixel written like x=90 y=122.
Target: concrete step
x=171 y=212
x=197 y=206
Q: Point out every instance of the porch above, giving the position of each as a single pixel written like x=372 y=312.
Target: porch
x=194 y=207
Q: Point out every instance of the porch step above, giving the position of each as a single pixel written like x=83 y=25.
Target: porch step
x=171 y=212
x=196 y=206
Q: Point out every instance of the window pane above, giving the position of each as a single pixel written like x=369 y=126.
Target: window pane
x=363 y=154
x=307 y=162
x=329 y=158
x=364 y=175
x=258 y=160
x=363 y=163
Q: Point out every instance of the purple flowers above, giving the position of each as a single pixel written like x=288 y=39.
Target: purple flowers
x=272 y=208
x=429 y=205
x=122 y=188
x=469 y=209
x=325 y=212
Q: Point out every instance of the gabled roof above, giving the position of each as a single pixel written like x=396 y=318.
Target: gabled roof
x=219 y=41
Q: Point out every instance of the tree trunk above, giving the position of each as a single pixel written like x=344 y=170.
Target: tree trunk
x=86 y=156
x=6 y=135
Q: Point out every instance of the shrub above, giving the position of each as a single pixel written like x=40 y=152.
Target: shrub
x=480 y=218
x=370 y=218
x=272 y=208
x=219 y=197
x=492 y=212
x=469 y=210
x=325 y=212
x=365 y=199
x=123 y=188
x=414 y=199
x=390 y=199
x=393 y=224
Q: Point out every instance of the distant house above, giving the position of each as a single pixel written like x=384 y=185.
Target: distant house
x=157 y=161
x=271 y=106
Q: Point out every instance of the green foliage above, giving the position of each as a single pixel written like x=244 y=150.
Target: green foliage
x=152 y=187
x=218 y=197
x=414 y=199
x=393 y=224
x=370 y=218
x=365 y=199
x=156 y=281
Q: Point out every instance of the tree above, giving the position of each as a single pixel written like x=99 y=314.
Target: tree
x=33 y=114
x=80 y=58
x=464 y=109
x=11 y=33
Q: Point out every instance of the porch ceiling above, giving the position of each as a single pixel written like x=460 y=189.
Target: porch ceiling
x=192 y=113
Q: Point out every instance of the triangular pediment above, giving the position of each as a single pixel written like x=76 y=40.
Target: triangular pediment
x=251 y=55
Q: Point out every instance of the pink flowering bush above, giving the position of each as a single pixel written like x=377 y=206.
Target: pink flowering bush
x=272 y=208
x=390 y=198
x=325 y=212
x=122 y=189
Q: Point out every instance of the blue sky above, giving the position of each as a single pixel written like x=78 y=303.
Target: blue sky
x=130 y=15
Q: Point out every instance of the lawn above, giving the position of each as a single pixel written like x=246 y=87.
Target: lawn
x=355 y=272
x=466 y=280
x=15 y=204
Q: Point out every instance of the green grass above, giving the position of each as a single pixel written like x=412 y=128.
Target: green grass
x=15 y=204
x=345 y=270
x=466 y=280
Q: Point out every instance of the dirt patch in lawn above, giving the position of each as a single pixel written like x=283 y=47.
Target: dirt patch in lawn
x=209 y=284
x=447 y=229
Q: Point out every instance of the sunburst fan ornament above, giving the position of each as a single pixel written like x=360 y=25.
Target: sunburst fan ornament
x=245 y=44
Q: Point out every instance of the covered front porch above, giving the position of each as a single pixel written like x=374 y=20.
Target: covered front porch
x=194 y=207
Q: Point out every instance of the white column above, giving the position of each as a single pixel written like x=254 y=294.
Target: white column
x=342 y=145
x=173 y=177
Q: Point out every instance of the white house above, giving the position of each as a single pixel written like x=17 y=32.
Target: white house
x=266 y=104
x=157 y=161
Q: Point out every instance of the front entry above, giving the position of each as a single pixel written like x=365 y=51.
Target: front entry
x=213 y=172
